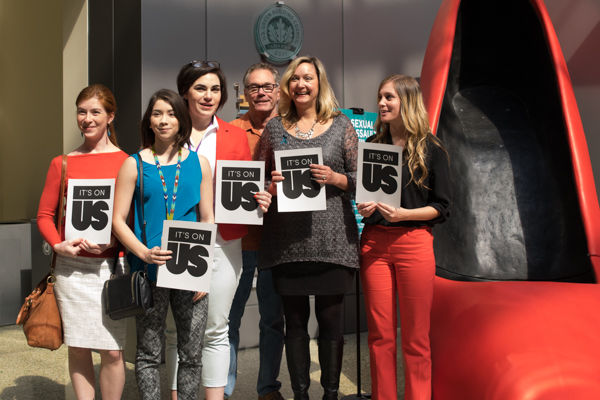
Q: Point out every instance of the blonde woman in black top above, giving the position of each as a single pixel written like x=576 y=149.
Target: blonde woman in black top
x=397 y=257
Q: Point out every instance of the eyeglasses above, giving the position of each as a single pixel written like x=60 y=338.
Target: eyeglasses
x=267 y=88
x=204 y=64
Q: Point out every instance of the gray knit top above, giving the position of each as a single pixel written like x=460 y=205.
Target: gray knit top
x=329 y=235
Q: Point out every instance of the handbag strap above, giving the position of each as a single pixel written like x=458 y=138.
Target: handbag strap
x=198 y=204
x=140 y=168
x=141 y=200
x=61 y=206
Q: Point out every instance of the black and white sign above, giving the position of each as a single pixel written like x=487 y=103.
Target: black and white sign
x=90 y=209
x=237 y=183
x=379 y=175
x=192 y=244
x=299 y=191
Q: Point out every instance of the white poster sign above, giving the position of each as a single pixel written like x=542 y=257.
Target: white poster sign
x=90 y=209
x=379 y=175
x=237 y=183
x=299 y=191
x=190 y=266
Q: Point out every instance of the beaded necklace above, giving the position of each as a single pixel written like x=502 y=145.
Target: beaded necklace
x=171 y=212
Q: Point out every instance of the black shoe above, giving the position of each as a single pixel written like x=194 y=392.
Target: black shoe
x=330 y=358
x=298 y=360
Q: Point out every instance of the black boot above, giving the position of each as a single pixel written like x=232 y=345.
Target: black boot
x=330 y=358
x=298 y=361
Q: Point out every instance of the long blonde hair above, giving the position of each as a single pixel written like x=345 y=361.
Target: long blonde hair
x=327 y=104
x=415 y=121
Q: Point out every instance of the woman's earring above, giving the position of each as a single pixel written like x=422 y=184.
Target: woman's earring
x=108 y=132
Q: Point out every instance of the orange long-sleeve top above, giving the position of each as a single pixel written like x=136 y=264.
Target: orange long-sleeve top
x=81 y=166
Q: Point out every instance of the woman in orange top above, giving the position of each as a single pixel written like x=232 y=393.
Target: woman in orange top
x=81 y=265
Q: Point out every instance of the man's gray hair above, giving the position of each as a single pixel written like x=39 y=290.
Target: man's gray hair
x=258 y=66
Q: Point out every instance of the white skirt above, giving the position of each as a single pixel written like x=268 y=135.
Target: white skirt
x=79 y=284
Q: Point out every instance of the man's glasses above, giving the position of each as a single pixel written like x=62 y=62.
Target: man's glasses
x=205 y=64
x=267 y=88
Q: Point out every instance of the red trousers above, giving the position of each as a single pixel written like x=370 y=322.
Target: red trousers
x=398 y=262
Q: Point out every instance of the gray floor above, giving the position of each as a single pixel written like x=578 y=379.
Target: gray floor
x=28 y=373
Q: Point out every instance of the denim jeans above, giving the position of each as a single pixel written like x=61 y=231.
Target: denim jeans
x=270 y=326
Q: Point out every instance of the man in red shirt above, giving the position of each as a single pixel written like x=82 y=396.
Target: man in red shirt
x=261 y=90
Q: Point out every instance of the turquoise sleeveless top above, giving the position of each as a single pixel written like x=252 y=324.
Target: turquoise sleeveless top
x=188 y=196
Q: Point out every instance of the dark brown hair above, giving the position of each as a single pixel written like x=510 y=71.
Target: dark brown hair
x=190 y=72
x=181 y=113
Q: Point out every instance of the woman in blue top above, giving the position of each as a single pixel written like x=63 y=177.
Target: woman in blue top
x=175 y=182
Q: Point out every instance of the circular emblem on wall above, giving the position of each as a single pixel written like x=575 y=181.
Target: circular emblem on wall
x=278 y=33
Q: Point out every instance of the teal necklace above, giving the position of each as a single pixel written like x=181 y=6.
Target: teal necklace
x=170 y=212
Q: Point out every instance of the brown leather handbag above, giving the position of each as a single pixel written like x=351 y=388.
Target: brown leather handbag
x=39 y=315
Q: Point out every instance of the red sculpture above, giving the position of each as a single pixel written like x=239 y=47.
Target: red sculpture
x=516 y=302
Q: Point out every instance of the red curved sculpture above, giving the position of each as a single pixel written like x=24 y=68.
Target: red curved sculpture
x=499 y=338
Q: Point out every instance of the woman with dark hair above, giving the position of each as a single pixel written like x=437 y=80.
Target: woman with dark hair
x=82 y=266
x=313 y=252
x=203 y=86
x=397 y=244
x=170 y=172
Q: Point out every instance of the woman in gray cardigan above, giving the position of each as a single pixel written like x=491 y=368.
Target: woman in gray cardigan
x=312 y=252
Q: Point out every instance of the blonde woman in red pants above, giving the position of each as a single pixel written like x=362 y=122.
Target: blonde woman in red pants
x=397 y=245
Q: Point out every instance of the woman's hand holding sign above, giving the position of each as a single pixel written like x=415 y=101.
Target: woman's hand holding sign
x=68 y=248
x=367 y=208
x=326 y=176
x=94 y=248
x=276 y=177
x=157 y=256
x=391 y=214
x=397 y=214
x=263 y=199
x=198 y=296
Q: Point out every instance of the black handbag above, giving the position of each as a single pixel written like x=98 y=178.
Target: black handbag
x=130 y=294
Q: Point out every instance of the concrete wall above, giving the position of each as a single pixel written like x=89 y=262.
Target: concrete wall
x=75 y=66
x=15 y=269
x=359 y=41
x=43 y=66
x=30 y=102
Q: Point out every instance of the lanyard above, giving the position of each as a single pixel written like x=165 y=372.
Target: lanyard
x=171 y=212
